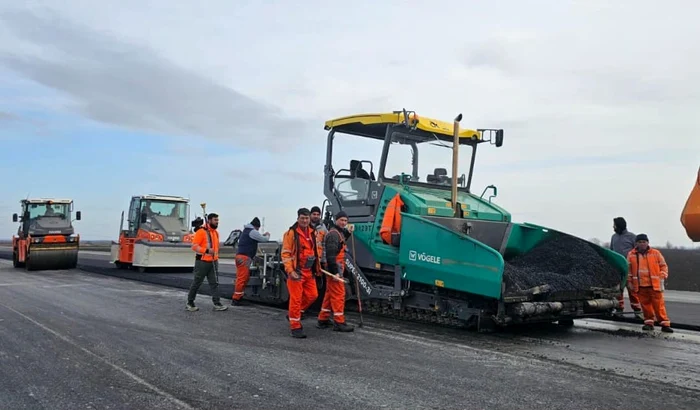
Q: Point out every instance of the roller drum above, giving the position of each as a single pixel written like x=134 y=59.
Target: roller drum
x=52 y=257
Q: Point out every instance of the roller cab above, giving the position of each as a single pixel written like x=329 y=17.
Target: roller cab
x=157 y=234
x=46 y=238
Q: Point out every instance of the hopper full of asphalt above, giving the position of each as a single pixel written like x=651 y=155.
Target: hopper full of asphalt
x=564 y=264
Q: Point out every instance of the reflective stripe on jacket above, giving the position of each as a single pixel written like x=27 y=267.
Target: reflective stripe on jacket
x=206 y=238
x=646 y=269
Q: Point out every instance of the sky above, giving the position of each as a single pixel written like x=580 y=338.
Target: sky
x=224 y=102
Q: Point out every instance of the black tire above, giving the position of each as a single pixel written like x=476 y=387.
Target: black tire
x=566 y=322
x=28 y=264
x=15 y=261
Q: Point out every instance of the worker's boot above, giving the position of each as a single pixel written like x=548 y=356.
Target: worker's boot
x=219 y=307
x=191 y=307
x=647 y=327
x=342 y=327
x=239 y=302
x=324 y=324
x=639 y=315
x=298 y=333
x=666 y=329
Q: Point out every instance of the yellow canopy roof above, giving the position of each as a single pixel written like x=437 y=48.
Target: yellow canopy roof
x=373 y=125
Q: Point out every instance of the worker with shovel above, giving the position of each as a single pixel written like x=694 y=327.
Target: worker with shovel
x=647 y=272
x=334 y=259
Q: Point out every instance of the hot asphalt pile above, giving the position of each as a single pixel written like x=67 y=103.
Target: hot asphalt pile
x=563 y=263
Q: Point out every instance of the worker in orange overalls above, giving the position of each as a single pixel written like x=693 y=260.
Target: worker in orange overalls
x=206 y=264
x=247 y=249
x=334 y=259
x=647 y=271
x=301 y=263
x=319 y=228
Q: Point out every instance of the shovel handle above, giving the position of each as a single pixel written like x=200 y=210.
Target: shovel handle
x=336 y=277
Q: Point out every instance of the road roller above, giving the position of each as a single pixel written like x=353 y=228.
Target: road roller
x=157 y=234
x=45 y=238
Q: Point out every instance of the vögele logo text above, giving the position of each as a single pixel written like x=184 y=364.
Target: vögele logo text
x=424 y=257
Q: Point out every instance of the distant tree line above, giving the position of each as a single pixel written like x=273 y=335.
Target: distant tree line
x=668 y=245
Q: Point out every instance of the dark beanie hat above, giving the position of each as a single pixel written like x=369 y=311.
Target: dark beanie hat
x=316 y=209
x=303 y=211
x=255 y=222
x=641 y=237
x=341 y=214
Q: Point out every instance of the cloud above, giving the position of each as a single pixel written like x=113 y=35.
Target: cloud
x=595 y=101
x=6 y=116
x=130 y=85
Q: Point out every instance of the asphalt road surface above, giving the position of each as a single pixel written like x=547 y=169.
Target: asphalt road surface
x=75 y=340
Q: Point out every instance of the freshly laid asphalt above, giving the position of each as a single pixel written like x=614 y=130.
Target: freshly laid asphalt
x=74 y=340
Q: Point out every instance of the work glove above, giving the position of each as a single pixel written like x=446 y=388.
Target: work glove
x=210 y=251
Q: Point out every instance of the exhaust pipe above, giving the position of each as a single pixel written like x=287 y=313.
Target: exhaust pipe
x=455 y=163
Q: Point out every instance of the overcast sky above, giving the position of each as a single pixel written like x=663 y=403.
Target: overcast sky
x=103 y=100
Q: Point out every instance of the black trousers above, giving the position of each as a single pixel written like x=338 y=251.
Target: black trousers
x=209 y=270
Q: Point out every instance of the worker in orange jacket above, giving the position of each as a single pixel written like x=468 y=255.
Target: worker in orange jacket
x=334 y=260
x=301 y=263
x=206 y=264
x=647 y=272
x=319 y=228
